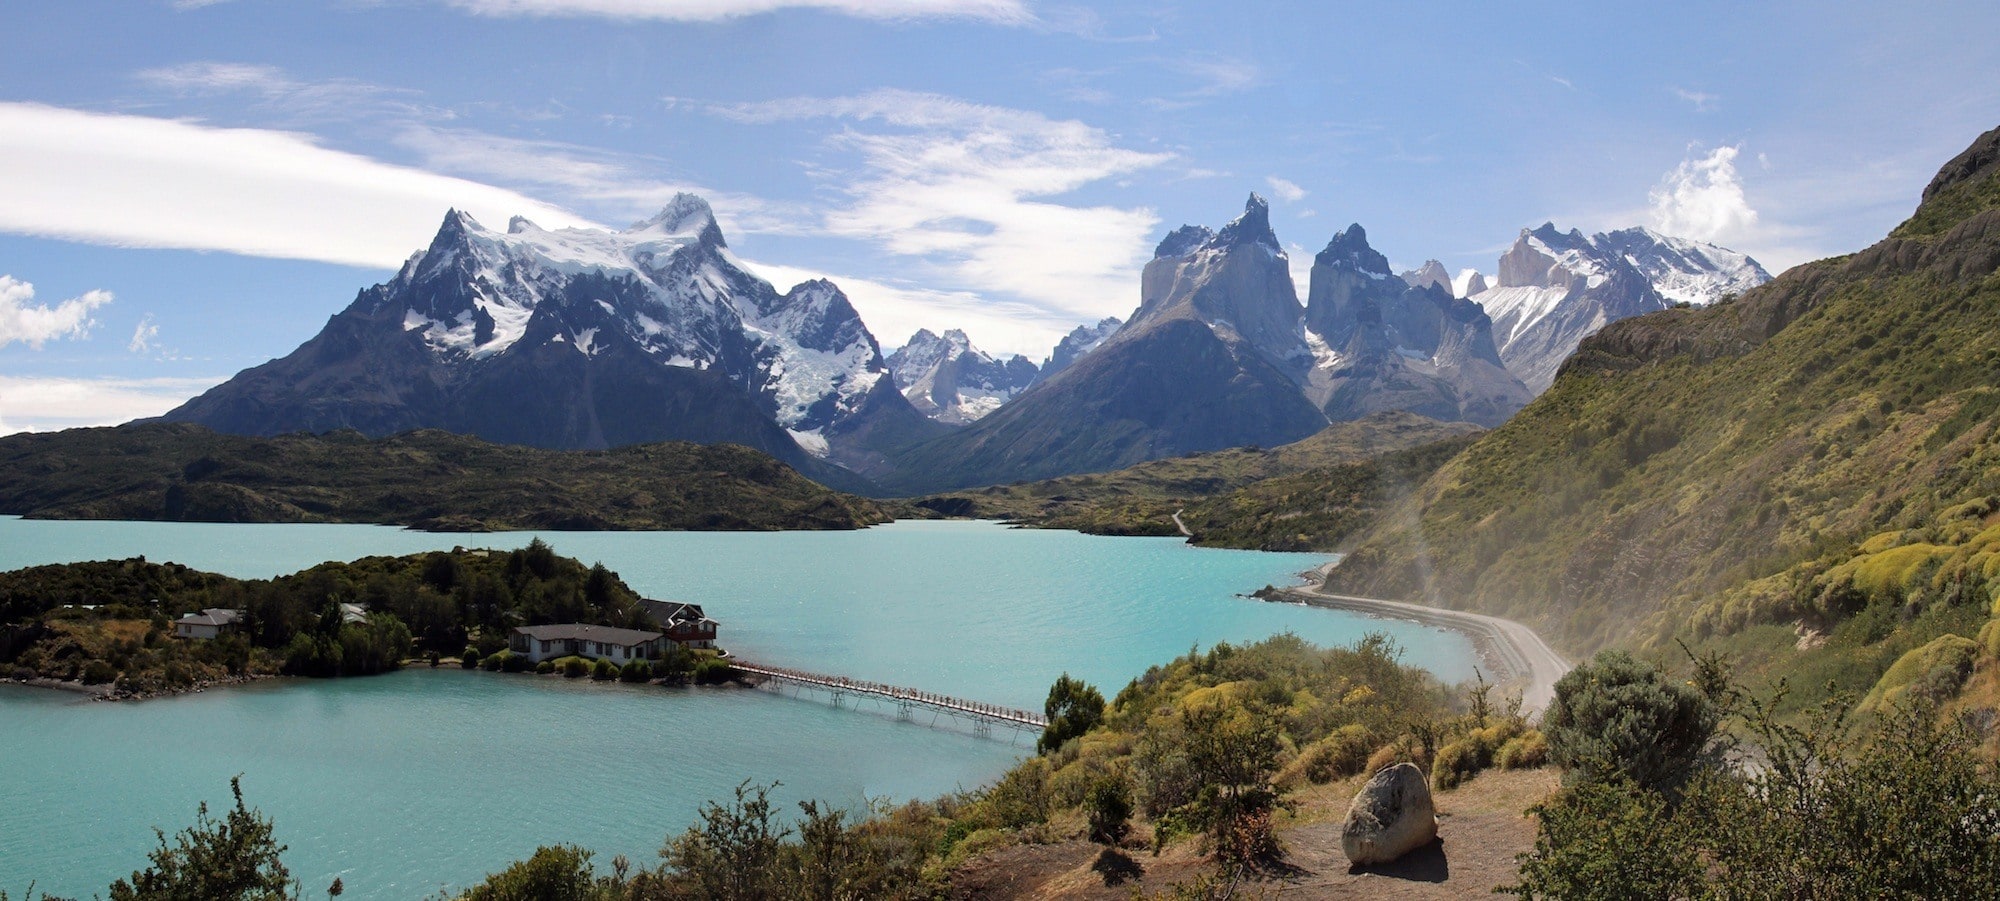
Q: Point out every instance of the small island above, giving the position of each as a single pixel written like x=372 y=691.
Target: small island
x=131 y=629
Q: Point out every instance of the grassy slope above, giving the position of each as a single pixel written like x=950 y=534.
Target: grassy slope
x=426 y=479
x=1683 y=456
x=1140 y=500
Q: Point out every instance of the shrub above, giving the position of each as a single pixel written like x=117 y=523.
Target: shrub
x=98 y=672
x=636 y=671
x=560 y=873
x=545 y=667
x=710 y=671
x=1109 y=808
x=604 y=671
x=1618 y=716
x=1402 y=750
x=469 y=658
x=1073 y=708
x=1523 y=752
x=514 y=663
x=573 y=667
x=497 y=661
x=1337 y=756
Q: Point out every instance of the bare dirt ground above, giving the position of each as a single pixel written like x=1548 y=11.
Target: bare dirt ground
x=1481 y=827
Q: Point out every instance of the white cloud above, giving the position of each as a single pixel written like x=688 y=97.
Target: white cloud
x=143 y=335
x=969 y=189
x=283 y=97
x=1703 y=102
x=148 y=182
x=894 y=312
x=1285 y=189
x=621 y=187
x=35 y=325
x=1006 y=12
x=40 y=404
x=1703 y=199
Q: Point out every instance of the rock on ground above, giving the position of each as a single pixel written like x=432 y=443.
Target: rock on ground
x=1391 y=816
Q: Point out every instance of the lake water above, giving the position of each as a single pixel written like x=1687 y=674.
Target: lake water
x=402 y=784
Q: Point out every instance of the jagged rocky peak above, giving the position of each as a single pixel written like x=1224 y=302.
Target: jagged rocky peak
x=686 y=214
x=1430 y=273
x=1081 y=340
x=1253 y=227
x=949 y=380
x=1468 y=283
x=1533 y=260
x=1182 y=241
x=1236 y=282
x=1348 y=249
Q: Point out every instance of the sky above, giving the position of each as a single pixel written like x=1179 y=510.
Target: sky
x=189 y=188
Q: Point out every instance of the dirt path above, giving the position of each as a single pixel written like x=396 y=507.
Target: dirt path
x=1481 y=828
x=1515 y=651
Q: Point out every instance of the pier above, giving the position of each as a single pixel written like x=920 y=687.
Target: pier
x=909 y=703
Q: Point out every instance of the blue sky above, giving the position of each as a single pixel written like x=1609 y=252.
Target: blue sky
x=190 y=188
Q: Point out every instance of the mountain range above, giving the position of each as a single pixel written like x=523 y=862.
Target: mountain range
x=587 y=338
x=584 y=338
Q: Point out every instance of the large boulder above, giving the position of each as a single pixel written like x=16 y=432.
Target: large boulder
x=1391 y=816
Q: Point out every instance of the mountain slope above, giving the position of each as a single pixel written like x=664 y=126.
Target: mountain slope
x=1140 y=499
x=1207 y=362
x=1682 y=455
x=580 y=338
x=426 y=479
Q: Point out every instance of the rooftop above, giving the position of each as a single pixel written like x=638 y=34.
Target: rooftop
x=581 y=632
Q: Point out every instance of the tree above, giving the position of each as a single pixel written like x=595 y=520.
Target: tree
x=1617 y=716
x=1109 y=806
x=558 y=873
x=1073 y=708
x=734 y=854
x=232 y=859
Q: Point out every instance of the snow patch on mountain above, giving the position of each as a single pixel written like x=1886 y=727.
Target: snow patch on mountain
x=949 y=380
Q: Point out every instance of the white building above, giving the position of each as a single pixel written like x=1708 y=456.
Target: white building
x=539 y=643
x=207 y=624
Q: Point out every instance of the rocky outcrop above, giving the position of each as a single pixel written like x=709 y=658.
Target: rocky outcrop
x=1380 y=344
x=1429 y=274
x=1081 y=340
x=1391 y=816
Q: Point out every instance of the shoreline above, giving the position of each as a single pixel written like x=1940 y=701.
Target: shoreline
x=108 y=691
x=1503 y=644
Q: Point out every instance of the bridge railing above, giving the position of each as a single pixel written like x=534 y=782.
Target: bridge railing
x=895 y=693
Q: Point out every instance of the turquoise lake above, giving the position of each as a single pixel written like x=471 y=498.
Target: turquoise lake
x=408 y=783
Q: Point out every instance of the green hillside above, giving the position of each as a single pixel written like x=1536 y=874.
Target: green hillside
x=425 y=479
x=1141 y=499
x=1716 y=473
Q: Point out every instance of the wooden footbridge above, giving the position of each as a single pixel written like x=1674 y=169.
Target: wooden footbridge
x=909 y=703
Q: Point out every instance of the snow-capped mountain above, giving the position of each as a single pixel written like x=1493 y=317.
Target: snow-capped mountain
x=1557 y=288
x=1220 y=353
x=581 y=338
x=1081 y=340
x=949 y=380
x=1381 y=342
